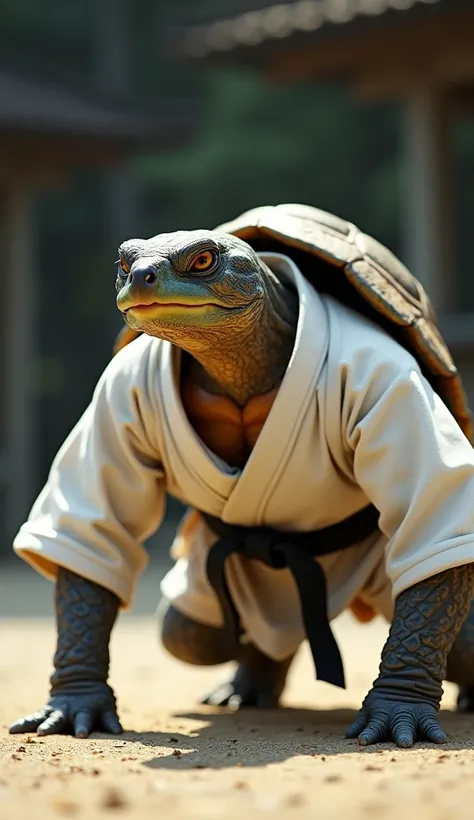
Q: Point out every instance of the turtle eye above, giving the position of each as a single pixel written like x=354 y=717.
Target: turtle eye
x=124 y=266
x=203 y=262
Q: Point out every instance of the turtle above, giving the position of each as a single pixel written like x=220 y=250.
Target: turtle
x=339 y=259
x=207 y=292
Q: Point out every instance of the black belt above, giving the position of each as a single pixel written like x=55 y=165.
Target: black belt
x=295 y=551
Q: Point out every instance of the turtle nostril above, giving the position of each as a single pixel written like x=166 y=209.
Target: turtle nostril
x=150 y=277
x=144 y=276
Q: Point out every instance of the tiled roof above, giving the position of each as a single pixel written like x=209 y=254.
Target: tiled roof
x=37 y=99
x=279 y=21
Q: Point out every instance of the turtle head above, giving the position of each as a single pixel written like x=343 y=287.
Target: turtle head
x=192 y=288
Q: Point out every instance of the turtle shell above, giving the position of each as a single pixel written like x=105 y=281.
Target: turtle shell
x=339 y=259
x=124 y=337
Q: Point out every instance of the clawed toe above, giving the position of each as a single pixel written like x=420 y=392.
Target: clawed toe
x=230 y=695
x=257 y=684
x=220 y=696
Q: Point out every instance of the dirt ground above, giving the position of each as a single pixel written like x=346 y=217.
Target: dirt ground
x=177 y=760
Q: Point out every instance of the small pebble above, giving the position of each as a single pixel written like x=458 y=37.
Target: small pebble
x=295 y=800
x=113 y=799
x=65 y=806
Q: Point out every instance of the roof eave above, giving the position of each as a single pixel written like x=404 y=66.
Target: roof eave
x=140 y=135
x=72 y=108
x=215 y=43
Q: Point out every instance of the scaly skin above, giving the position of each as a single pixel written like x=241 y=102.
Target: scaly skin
x=404 y=701
x=81 y=699
x=236 y=319
x=210 y=295
x=460 y=668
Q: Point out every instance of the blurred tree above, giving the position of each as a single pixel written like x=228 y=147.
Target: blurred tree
x=59 y=30
x=260 y=143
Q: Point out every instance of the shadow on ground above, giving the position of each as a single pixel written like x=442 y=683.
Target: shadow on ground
x=258 y=738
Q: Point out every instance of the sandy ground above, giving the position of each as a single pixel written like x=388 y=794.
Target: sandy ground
x=178 y=760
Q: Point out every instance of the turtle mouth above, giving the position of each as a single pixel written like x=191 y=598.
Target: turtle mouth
x=159 y=308
x=155 y=308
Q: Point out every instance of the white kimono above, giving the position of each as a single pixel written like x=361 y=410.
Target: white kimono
x=354 y=422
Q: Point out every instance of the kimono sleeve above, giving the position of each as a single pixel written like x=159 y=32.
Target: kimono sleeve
x=413 y=463
x=105 y=491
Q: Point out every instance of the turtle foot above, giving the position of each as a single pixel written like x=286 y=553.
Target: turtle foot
x=258 y=683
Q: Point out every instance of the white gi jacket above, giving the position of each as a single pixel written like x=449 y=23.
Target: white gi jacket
x=354 y=422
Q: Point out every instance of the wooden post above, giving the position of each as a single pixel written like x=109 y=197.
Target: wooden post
x=19 y=318
x=121 y=194
x=427 y=201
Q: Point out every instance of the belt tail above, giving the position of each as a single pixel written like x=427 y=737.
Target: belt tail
x=311 y=582
x=215 y=568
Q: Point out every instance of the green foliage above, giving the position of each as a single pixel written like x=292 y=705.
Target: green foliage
x=258 y=143
x=59 y=30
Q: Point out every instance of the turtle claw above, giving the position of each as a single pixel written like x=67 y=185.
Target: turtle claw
x=257 y=684
x=220 y=696
x=243 y=696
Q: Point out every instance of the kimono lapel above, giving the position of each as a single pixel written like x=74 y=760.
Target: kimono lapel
x=204 y=479
x=249 y=496
x=207 y=482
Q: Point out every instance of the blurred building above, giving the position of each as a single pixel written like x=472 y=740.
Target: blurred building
x=418 y=52
x=49 y=128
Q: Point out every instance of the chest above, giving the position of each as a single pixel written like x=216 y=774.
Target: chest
x=266 y=463
x=228 y=430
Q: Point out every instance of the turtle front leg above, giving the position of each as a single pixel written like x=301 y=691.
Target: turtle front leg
x=404 y=701
x=81 y=700
x=258 y=681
